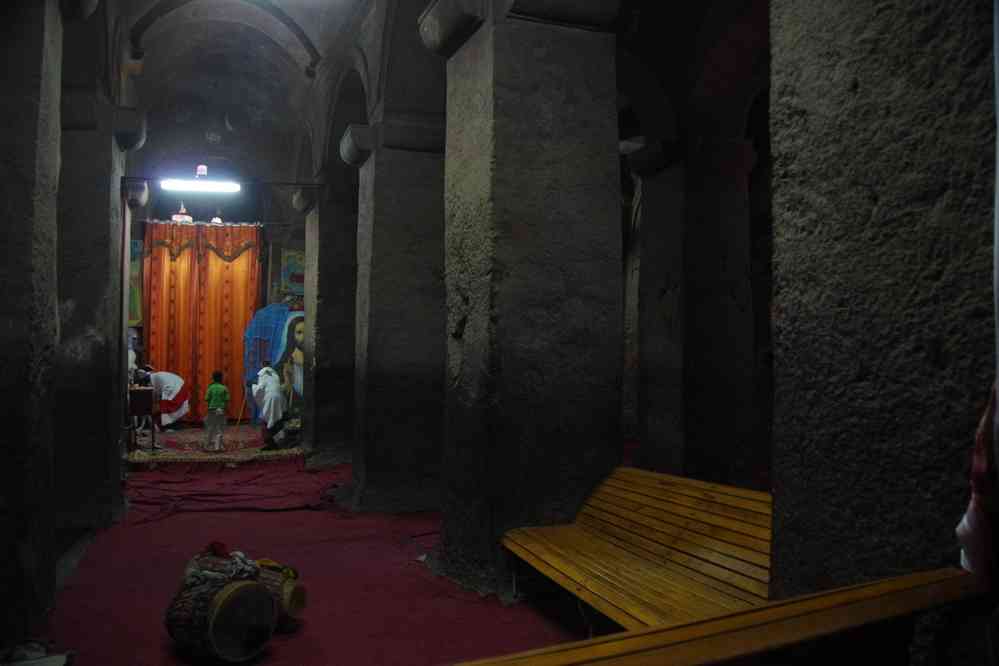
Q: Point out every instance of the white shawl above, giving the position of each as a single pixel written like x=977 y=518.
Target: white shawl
x=268 y=396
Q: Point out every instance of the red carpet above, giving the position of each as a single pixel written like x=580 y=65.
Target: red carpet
x=370 y=600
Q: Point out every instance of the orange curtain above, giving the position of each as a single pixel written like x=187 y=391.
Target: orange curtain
x=201 y=288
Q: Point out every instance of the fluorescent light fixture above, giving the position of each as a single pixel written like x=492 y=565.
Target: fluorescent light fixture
x=200 y=185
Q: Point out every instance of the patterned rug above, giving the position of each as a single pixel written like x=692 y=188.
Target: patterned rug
x=192 y=439
x=243 y=443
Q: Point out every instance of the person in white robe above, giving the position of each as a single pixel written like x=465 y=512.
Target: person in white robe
x=269 y=397
x=173 y=396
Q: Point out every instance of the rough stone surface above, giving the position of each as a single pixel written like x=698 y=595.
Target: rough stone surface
x=661 y=322
x=29 y=181
x=882 y=126
x=90 y=384
x=400 y=314
x=414 y=77
x=722 y=418
x=329 y=302
x=534 y=282
x=331 y=284
x=631 y=225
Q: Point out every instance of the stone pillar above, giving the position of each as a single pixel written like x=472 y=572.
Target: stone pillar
x=883 y=322
x=330 y=286
x=93 y=256
x=659 y=207
x=533 y=266
x=722 y=420
x=29 y=181
x=399 y=371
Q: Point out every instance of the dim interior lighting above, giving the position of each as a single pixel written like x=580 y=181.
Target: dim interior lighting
x=179 y=185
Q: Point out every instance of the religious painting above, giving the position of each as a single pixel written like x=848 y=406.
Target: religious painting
x=135 y=283
x=289 y=362
x=293 y=272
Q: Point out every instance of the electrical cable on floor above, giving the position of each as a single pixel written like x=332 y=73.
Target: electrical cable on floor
x=423 y=534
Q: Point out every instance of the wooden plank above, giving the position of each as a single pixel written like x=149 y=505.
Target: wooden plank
x=631 y=575
x=653 y=507
x=711 y=556
x=648 y=572
x=618 y=605
x=683 y=576
x=669 y=525
x=676 y=537
x=659 y=553
x=671 y=535
x=717 y=488
x=759 y=518
x=759 y=630
x=671 y=484
x=616 y=613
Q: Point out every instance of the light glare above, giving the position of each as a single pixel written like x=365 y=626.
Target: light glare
x=179 y=185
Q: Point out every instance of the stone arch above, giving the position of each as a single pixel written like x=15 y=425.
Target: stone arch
x=724 y=316
x=262 y=15
x=731 y=67
x=305 y=172
x=653 y=228
x=396 y=147
x=331 y=277
x=350 y=107
x=641 y=90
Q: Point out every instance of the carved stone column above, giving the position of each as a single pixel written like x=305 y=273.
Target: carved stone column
x=722 y=419
x=399 y=358
x=533 y=265
x=659 y=208
x=31 y=49
x=330 y=285
x=93 y=255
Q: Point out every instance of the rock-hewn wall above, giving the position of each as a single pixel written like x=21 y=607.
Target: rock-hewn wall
x=31 y=63
x=534 y=281
x=883 y=165
x=91 y=354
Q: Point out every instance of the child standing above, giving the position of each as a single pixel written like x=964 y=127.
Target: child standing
x=217 y=397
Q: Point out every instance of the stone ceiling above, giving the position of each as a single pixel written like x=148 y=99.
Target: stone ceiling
x=226 y=79
x=224 y=83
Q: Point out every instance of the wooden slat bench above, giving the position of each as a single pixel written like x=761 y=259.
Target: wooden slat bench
x=651 y=549
x=760 y=630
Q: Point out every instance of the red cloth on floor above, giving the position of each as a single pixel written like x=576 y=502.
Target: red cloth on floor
x=172 y=405
x=279 y=485
x=370 y=601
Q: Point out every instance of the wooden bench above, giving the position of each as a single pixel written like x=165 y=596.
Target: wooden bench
x=651 y=549
x=761 y=630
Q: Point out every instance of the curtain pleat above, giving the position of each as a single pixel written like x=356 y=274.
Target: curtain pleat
x=201 y=288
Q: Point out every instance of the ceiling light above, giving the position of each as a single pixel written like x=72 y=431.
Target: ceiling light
x=178 y=185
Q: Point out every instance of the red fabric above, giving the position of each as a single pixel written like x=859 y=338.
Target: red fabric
x=370 y=601
x=171 y=406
